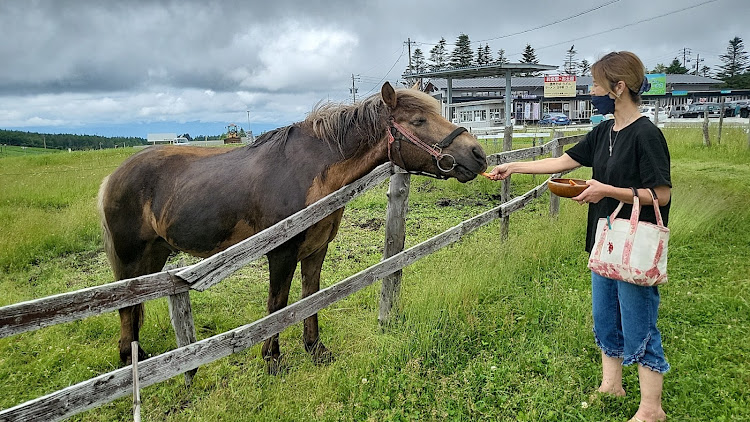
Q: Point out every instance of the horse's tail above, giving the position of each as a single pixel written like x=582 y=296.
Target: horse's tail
x=109 y=247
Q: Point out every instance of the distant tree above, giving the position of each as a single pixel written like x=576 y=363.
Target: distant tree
x=659 y=68
x=584 y=68
x=418 y=64
x=705 y=71
x=738 y=82
x=438 y=60
x=187 y=136
x=675 y=68
x=481 y=59
x=570 y=67
x=462 y=55
x=488 y=53
x=501 y=59
x=735 y=60
x=529 y=56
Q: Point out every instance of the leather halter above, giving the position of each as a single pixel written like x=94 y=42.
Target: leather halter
x=397 y=132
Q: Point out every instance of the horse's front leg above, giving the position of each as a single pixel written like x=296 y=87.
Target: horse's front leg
x=311 y=267
x=282 y=262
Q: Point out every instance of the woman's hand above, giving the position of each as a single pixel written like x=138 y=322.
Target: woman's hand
x=592 y=194
x=501 y=172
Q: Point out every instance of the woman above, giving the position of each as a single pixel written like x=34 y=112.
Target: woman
x=624 y=152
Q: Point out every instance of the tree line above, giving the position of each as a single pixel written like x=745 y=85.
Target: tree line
x=734 y=69
x=65 y=141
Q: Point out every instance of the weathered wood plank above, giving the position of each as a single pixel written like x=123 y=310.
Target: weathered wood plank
x=181 y=316
x=217 y=267
x=66 y=307
x=395 y=236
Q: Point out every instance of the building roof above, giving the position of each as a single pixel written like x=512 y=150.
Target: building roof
x=518 y=82
x=485 y=71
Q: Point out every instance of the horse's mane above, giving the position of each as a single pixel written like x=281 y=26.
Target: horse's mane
x=333 y=122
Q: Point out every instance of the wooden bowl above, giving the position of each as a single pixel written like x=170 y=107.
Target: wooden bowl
x=566 y=187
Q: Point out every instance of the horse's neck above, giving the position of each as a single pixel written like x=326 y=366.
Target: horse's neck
x=346 y=171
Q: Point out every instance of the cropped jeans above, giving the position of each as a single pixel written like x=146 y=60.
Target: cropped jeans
x=625 y=322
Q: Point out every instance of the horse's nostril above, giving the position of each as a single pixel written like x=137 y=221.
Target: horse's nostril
x=479 y=154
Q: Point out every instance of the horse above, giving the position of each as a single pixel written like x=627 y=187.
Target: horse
x=201 y=201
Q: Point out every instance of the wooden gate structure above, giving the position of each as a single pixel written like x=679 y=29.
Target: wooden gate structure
x=176 y=283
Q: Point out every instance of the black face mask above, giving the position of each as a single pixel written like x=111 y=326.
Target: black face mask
x=603 y=103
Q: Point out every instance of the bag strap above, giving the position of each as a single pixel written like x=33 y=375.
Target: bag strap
x=657 y=210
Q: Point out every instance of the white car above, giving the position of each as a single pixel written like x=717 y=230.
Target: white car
x=648 y=111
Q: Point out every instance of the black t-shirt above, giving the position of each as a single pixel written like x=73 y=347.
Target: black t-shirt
x=640 y=159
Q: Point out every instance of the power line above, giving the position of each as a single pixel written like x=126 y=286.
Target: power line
x=552 y=23
x=624 y=26
x=578 y=14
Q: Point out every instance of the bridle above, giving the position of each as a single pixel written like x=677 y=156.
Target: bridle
x=396 y=132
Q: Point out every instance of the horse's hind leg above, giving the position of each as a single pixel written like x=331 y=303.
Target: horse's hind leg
x=282 y=262
x=311 y=267
x=131 y=318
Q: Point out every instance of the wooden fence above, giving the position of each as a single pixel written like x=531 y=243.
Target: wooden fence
x=191 y=354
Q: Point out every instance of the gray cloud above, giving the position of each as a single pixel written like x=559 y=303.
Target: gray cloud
x=283 y=56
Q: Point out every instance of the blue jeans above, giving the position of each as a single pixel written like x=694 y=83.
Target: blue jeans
x=625 y=322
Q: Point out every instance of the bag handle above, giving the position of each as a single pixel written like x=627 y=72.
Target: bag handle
x=636 y=208
x=657 y=210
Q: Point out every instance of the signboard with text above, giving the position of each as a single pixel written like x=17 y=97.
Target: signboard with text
x=559 y=86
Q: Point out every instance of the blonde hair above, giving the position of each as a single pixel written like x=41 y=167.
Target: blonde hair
x=620 y=66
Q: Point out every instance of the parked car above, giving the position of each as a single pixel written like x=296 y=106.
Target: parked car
x=698 y=110
x=595 y=119
x=740 y=108
x=650 y=112
x=677 y=110
x=555 y=119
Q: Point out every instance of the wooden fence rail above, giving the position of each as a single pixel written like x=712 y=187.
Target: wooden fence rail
x=110 y=386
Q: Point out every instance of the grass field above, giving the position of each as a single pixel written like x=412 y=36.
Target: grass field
x=487 y=330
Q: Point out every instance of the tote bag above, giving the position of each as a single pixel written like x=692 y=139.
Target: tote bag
x=631 y=250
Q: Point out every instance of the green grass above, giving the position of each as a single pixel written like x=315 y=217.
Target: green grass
x=487 y=330
x=16 y=151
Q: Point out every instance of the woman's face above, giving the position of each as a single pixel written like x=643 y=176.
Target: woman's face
x=599 y=90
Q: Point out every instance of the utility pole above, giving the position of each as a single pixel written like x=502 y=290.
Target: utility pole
x=408 y=43
x=685 y=53
x=353 y=89
x=698 y=61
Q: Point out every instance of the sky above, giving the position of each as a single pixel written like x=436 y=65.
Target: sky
x=135 y=67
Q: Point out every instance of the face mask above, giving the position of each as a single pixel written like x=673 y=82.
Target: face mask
x=603 y=103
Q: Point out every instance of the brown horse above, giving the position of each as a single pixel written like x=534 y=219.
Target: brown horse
x=203 y=200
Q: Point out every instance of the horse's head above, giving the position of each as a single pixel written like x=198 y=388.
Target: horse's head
x=421 y=140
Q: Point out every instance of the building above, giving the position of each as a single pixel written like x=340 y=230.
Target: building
x=480 y=102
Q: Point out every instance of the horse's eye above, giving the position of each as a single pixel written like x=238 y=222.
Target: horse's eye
x=419 y=121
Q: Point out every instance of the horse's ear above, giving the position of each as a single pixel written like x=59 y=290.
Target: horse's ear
x=416 y=85
x=389 y=95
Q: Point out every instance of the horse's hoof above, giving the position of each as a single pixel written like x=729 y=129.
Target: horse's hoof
x=320 y=354
x=127 y=359
x=274 y=366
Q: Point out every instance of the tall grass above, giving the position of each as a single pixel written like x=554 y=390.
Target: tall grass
x=486 y=329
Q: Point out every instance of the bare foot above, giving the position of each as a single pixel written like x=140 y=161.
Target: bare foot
x=613 y=390
x=643 y=415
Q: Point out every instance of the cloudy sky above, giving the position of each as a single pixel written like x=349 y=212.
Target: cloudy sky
x=131 y=67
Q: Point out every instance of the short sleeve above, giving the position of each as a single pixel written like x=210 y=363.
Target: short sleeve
x=583 y=152
x=654 y=160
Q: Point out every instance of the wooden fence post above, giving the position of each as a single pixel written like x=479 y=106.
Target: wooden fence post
x=395 y=236
x=706 y=138
x=721 y=121
x=505 y=194
x=557 y=151
x=136 y=384
x=181 y=316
